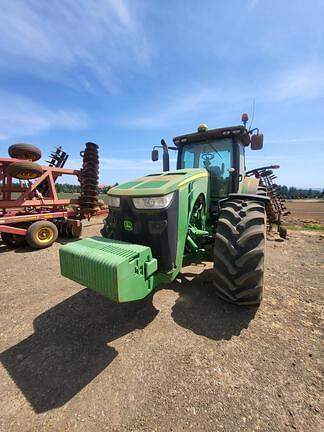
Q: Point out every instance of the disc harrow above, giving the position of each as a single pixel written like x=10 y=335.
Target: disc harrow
x=33 y=208
x=89 y=179
x=276 y=207
x=68 y=229
x=57 y=158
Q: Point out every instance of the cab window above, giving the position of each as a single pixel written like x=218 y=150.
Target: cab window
x=216 y=157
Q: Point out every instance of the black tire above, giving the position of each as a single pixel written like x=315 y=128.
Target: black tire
x=282 y=231
x=25 y=151
x=41 y=234
x=75 y=230
x=24 y=170
x=59 y=223
x=239 y=252
x=65 y=229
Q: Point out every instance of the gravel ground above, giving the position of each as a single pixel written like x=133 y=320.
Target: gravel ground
x=180 y=360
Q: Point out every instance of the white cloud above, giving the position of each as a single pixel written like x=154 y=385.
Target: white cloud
x=304 y=82
x=299 y=83
x=72 y=41
x=22 y=116
x=193 y=102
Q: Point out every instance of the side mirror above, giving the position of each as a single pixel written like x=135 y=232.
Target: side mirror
x=257 y=142
x=155 y=155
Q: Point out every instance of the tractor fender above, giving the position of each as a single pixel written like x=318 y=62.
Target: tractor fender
x=246 y=196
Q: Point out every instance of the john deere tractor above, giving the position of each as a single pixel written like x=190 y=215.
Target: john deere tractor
x=206 y=209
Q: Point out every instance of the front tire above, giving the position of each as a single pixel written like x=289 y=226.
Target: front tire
x=239 y=252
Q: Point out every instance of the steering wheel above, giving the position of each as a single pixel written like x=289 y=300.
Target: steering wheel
x=207 y=157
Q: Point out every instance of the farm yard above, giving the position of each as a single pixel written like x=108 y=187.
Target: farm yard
x=180 y=360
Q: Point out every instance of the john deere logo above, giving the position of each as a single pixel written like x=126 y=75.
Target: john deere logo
x=128 y=225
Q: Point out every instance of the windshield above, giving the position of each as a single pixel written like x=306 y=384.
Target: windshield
x=216 y=157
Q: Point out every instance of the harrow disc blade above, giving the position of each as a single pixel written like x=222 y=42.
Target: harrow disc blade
x=89 y=179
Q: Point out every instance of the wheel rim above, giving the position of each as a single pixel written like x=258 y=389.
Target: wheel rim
x=45 y=235
x=25 y=175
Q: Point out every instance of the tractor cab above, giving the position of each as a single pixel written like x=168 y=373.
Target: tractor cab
x=220 y=151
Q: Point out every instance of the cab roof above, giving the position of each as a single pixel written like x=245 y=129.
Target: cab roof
x=209 y=134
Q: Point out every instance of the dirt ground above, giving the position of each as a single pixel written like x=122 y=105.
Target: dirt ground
x=180 y=360
x=307 y=210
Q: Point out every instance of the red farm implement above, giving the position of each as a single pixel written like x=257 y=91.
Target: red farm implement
x=276 y=207
x=30 y=209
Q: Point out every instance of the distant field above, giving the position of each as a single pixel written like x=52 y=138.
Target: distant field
x=307 y=209
x=300 y=208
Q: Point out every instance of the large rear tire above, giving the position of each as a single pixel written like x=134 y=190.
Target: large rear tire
x=239 y=252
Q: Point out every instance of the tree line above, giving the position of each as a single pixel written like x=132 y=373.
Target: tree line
x=285 y=191
x=297 y=193
x=76 y=188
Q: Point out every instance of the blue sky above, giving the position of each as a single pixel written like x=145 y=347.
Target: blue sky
x=127 y=73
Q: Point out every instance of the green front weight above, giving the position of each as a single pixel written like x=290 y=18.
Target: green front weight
x=117 y=270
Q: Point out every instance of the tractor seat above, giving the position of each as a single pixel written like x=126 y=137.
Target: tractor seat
x=214 y=170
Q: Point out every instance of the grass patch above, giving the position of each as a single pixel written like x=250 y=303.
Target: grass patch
x=305 y=227
x=314 y=227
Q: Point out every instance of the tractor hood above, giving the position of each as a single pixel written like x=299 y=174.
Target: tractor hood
x=158 y=184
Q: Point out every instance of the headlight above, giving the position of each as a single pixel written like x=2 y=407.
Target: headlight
x=153 y=202
x=113 y=201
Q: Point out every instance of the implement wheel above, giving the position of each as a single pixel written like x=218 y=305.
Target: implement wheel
x=25 y=170
x=239 y=252
x=75 y=231
x=25 y=151
x=282 y=231
x=41 y=234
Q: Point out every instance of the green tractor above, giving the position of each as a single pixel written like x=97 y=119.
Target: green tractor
x=206 y=209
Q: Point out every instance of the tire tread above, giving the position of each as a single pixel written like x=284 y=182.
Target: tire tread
x=239 y=252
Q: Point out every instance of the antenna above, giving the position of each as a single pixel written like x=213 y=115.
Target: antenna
x=253 y=110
